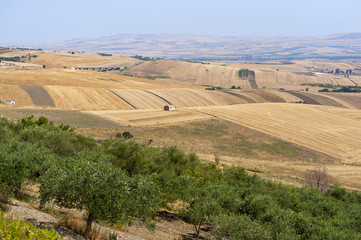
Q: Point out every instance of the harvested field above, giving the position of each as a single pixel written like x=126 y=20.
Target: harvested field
x=254 y=97
x=323 y=100
x=269 y=96
x=81 y=78
x=305 y=98
x=148 y=117
x=289 y=98
x=315 y=127
x=140 y=99
x=351 y=98
x=39 y=96
x=317 y=99
x=261 y=75
x=282 y=79
x=190 y=72
x=182 y=97
x=81 y=98
x=15 y=93
x=54 y=59
x=237 y=94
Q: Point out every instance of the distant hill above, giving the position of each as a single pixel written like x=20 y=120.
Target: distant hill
x=221 y=48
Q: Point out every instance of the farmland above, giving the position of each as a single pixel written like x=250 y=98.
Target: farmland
x=133 y=99
x=268 y=118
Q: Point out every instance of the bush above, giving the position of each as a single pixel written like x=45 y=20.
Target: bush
x=15 y=229
x=13 y=170
x=237 y=227
x=87 y=182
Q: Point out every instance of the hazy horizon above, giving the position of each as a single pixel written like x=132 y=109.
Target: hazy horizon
x=41 y=22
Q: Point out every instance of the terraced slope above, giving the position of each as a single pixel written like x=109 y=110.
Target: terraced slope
x=330 y=130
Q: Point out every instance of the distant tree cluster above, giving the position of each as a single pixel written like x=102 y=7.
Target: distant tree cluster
x=234 y=87
x=214 y=88
x=146 y=58
x=104 y=54
x=345 y=89
x=243 y=73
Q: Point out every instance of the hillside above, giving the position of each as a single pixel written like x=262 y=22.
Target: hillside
x=281 y=94
x=221 y=48
x=89 y=186
x=267 y=75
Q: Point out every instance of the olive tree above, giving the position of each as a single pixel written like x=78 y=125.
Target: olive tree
x=87 y=182
x=13 y=170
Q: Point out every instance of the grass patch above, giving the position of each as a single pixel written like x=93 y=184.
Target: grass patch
x=128 y=75
x=278 y=147
x=108 y=79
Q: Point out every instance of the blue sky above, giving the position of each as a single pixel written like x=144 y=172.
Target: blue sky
x=48 y=21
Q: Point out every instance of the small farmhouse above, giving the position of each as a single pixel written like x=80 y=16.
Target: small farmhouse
x=169 y=108
x=10 y=102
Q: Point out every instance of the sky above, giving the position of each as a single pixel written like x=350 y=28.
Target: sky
x=50 y=21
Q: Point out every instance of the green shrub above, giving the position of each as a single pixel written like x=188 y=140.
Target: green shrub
x=16 y=229
x=13 y=170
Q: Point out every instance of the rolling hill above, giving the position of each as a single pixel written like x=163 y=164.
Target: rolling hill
x=221 y=48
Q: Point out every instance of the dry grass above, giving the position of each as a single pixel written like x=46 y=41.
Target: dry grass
x=76 y=223
x=315 y=127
